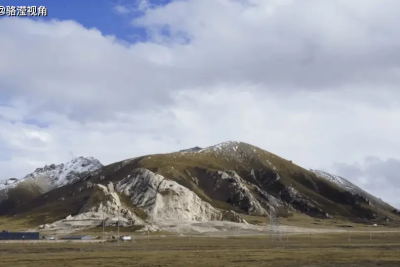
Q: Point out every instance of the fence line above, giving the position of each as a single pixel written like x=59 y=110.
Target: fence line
x=305 y=237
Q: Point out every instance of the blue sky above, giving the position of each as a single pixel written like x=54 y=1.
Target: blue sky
x=100 y=14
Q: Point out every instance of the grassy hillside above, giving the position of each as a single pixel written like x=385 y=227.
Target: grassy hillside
x=23 y=193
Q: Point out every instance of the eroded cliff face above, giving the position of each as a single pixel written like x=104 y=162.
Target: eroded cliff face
x=162 y=200
x=166 y=200
x=104 y=206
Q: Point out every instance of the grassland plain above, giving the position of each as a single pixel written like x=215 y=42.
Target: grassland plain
x=327 y=250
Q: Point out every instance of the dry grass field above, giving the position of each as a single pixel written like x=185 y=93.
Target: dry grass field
x=327 y=250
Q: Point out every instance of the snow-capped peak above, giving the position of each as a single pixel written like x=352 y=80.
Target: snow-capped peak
x=225 y=146
x=66 y=173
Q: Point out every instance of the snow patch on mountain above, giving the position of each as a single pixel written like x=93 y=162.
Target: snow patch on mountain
x=232 y=150
x=225 y=146
x=339 y=181
x=67 y=173
x=8 y=183
x=52 y=176
x=350 y=187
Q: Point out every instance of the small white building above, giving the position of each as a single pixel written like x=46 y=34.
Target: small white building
x=126 y=237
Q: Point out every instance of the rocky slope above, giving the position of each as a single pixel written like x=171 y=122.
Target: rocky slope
x=216 y=183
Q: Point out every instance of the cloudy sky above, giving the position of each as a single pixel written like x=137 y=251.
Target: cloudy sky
x=316 y=82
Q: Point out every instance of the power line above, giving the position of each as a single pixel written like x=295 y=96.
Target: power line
x=275 y=232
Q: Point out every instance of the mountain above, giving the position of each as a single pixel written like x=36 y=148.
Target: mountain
x=224 y=182
x=14 y=192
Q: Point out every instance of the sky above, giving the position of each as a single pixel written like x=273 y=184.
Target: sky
x=315 y=82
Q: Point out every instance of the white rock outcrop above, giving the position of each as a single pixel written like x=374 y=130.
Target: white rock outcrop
x=104 y=206
x=109 y=209
x=166 y=200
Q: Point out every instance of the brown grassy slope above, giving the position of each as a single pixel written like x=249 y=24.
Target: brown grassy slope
x=23 y=193
x=53 y=205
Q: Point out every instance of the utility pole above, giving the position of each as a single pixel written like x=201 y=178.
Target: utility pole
x=103 y=222
x=118 y=226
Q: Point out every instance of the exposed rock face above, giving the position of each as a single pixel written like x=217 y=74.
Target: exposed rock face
x=105 y=204
x=299 y=202
x=230 y=187
x=164 y=199
x=104 y=207
x=232 y=217
x=268 y=199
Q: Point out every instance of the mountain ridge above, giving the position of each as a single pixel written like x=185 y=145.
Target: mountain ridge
x=16 y=191
x=222 y=182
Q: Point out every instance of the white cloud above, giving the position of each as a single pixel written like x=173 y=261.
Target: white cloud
x=120 y=9
x=375 y=175
x=315 y=82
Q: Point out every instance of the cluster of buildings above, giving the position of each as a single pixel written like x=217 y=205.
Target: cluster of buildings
x=6 y=235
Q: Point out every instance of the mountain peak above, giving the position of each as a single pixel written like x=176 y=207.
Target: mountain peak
x=225 y=146
x=66 y=173
x=233 y=149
